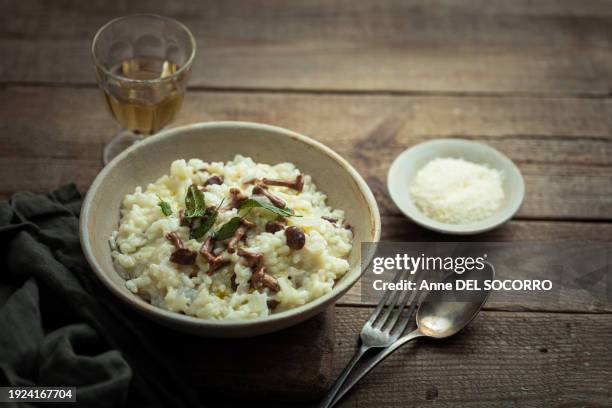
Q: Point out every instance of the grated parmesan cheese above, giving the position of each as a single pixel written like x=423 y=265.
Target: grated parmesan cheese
x=456 y=191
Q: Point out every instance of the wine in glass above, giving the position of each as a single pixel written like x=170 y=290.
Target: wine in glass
x=142 y=65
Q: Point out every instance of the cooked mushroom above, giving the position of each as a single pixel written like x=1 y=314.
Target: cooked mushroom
x=237 y=198
x=274 y=226
x=214 y=262
x=181 y=255
x=296 y=239
x=261 y=279
x=214 y=180
x=254 y=259
x=297 y=184
x=272 y=303
x=260 y=189
x=253 y=180
x=184 y=221
x=330 y=219
x=233 y=283
x=206 y=250
x=241 y=231
x=175 y=240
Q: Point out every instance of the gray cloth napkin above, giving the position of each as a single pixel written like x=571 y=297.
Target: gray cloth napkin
x=60 y=327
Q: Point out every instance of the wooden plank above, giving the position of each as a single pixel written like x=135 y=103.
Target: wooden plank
x=569 y=292
x=400 y=229
x=501 y=360
x=562 y=146
x=258 y=367
x=415 y=46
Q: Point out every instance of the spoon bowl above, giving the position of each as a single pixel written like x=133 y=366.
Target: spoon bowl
x=441 y=315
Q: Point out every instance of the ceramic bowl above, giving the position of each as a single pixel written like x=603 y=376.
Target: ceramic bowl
x=407 y=164
x=144 y=162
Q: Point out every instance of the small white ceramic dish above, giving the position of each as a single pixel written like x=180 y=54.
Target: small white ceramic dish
x=407 y=164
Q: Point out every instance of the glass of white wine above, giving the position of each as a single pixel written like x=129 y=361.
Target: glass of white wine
x=142 y=65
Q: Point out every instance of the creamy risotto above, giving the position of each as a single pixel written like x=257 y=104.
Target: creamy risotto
x=233 y=240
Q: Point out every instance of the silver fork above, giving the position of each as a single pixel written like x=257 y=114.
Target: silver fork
x=382 y=328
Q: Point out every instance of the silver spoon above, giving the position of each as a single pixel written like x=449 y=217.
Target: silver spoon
x=439 y=316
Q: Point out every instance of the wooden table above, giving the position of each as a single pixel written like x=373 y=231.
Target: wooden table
x=371 y=78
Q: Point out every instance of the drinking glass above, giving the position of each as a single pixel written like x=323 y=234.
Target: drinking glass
x=142 y=66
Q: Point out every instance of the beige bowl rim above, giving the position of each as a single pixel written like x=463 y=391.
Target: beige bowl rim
x=195 y=322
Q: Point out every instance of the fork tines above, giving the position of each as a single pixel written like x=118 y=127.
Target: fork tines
x=386 y=316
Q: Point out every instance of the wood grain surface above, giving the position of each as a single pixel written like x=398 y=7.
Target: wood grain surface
x=292 y=365
x=501 y=360
x=519 y=46
x=572 y=294
x=562 y=146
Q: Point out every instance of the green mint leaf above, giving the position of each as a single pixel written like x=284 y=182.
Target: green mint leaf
x=252 y=202
x=208 y=223
x=165 y=207
x=228 y=229
x=195 y=205
x=204 y=227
